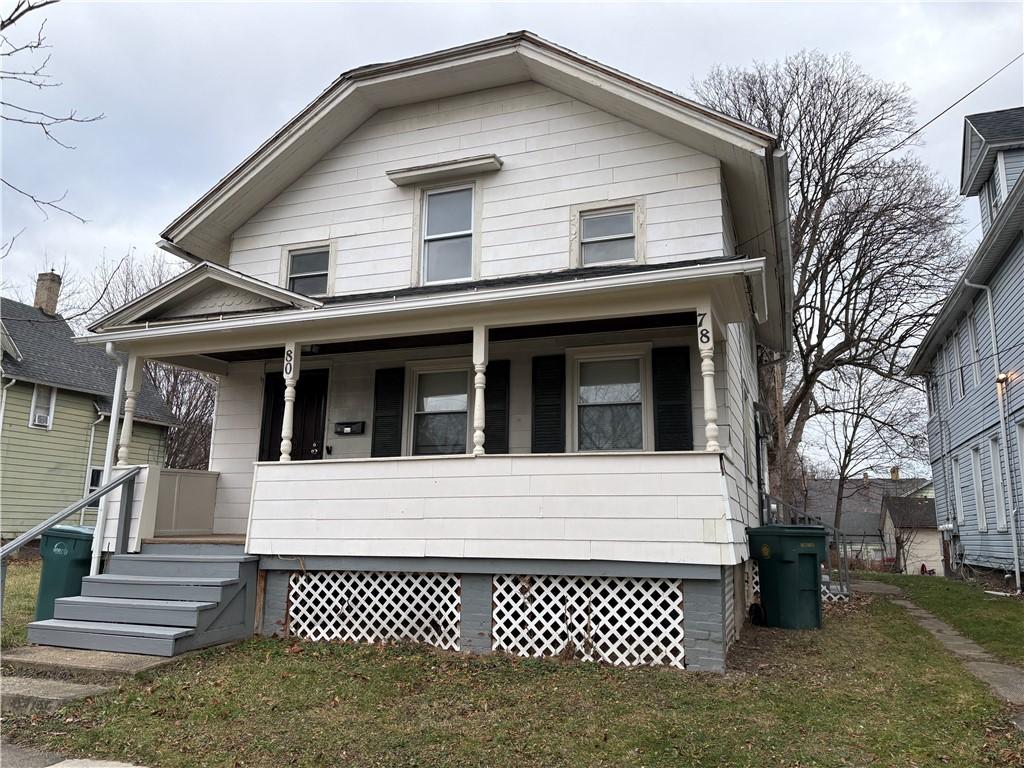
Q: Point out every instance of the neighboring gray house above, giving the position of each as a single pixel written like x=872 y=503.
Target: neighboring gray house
x=860 y=519
x=973 y=359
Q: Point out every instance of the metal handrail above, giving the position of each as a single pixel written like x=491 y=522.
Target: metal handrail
x=128 y=478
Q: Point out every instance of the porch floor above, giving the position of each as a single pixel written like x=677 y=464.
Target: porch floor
x=212 y=538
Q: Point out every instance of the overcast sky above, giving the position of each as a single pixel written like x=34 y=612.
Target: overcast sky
x=189 y=89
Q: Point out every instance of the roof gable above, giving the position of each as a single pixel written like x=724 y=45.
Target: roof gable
x=985 y=134
x=206 y=290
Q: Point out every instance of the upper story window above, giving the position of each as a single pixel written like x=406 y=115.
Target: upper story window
x=40 y=414
x=441 y=417
x=607 y=236
x=448 y=235
x=309 y=271
x=972 y=337
x=609 y=405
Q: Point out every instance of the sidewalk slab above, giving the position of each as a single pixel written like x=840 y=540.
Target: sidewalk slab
x=80 y=665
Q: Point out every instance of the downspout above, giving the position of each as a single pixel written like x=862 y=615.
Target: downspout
x=88 y=465
x=108 y=459
x=1005 y=453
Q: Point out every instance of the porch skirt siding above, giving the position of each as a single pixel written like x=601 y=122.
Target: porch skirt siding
x=617 y=620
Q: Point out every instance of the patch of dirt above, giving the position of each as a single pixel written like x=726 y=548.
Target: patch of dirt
x=28 y=553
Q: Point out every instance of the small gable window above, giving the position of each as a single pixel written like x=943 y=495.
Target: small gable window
x=308 y=271
x=607 y=236
x=44 y=399
x=448 y=235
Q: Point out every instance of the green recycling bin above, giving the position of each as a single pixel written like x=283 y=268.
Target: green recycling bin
x=67 y=553
x=789 y=559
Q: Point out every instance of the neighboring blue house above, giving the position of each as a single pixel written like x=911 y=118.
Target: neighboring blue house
x=973 y=359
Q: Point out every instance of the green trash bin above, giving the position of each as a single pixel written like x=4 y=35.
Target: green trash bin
x=789 y=559
x=67 y=554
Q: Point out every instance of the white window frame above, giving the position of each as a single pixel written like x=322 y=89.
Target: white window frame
x=420 y=233
x=412 y=376
x=972 y=339
x=980 y=502
x=958 y=366
x=575 y=356
x=315 y=245
x=577 y=212
x=958 y=491
x=35 y=400
x=89 y=487
x=995 y=459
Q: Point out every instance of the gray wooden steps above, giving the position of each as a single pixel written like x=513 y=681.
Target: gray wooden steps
x=169 y=613
x=159 y=603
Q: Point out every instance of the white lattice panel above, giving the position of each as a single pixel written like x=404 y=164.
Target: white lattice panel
x=620 y=621
x=375 y=606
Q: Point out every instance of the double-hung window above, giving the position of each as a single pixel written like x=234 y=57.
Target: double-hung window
x=958 y=491
x=607 y=236
x=972 y=337
x=980 y=502
x=43 y=401
x=997 y=483
x=441 y=416
x=958 y=361
x=309 y=270
x=609 y=405
x=447 y=235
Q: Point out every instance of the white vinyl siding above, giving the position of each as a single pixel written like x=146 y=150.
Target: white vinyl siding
x=980 y=501
x=557 y=153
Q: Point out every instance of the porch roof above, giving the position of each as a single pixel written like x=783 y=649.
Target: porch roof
x=732 y=285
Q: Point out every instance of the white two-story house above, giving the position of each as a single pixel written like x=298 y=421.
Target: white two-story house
x=486 y=324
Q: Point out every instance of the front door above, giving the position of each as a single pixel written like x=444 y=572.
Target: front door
x=308 y=421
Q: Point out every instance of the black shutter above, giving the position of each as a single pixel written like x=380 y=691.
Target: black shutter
x=673 y=409
x=496 y=407
x=388 y=395
x=548 y=404
x=273 y=415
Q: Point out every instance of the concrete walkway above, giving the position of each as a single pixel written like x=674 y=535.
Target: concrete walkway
x=12 y=756
x=1005 y=680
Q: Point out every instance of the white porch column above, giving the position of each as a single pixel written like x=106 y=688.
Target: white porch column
x=292 y=359
x=479 y=387
x=706 y=347
x=132 y=386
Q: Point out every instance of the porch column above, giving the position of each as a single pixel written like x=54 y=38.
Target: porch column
x=479 y=387
x=132 y=385
x=292 y=358
x=706 y=347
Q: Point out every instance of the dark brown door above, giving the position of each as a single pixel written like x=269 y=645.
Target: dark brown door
x=309 y=418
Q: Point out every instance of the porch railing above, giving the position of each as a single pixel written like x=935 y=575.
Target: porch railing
x=777 y=512
x=127 y=479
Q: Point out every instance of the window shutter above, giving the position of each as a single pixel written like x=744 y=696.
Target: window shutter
x=273 y=415
x=388 y=394
x=496 y=407
x=548 y=404
x=673 y=408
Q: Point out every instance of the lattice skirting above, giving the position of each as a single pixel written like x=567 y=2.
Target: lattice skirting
x=375 y=606
x=621 y=621
x=829 y=593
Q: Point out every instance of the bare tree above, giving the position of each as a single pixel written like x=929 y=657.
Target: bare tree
x=875 y=234
x=867 y=423
x=24 y=68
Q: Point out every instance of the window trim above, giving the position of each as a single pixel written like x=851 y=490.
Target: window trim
x=89 y=487
x=576 y=214
x=972 y=340
x=419 y=229
x=996 y=461
x=576 y=355
x=412 y=375
x=958 y=366
x=958 y=490
x=52 y=408
x=284 y=277
x=980 y=501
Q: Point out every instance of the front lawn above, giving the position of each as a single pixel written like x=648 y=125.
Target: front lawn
x=19 y=601
x=995 y=623
x=872 y=688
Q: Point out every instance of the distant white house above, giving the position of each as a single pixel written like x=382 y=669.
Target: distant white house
x=485 y=323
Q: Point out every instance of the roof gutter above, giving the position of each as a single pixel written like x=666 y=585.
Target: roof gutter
x=166 y=245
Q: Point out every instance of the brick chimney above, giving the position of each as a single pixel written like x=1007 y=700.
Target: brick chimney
x=894 y=473
x=47 y=292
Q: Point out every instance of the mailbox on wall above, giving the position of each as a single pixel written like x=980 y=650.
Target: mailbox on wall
x=349 y=427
